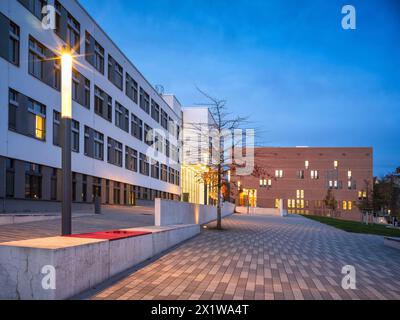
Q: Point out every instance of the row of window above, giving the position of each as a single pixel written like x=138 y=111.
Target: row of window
x=302 y=204
x=28 y=117
x=314 y=174
x=45 y=66
x=34 y=183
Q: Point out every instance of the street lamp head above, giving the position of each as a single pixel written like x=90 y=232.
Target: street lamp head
x=66 y=85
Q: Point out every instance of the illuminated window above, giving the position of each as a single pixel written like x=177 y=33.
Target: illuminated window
x=335 y=164
x=344 y=205
x=269 y=182
x=261 y=182
x=300 y=194
x=279 y=173
x=306 y=164
x=349 y=205
x=349 y=174
x=349 y=184
x=314 y=174
x=277 y=203
x=40 y=127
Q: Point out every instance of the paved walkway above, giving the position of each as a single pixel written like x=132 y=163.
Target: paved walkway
x=112 y=217
x=264 y=257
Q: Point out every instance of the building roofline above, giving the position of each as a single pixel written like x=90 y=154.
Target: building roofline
x=122 y=53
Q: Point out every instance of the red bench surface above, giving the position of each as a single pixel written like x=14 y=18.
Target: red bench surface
x=110 y=235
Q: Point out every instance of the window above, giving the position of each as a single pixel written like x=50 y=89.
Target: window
x=94 y=144
x=121 y=117
x=114 y=152
x=349 y=184
x=96 y=188
x=75 y=136
x=279 y=173
x=33 y=181
x=73 y=33
x=53 y=185
x=84 y=188
x=71 y=30
x=164 y=172
x=40 y=57
x=80 y=89
x=13 y=45
x=75 y=85
x=300 y=194
x=171 y=175
x=314 y=174
x=344 y=203
x=333 y=184
x=94 y=53
x=86 y=101
x=39 y=112
x=102 y=104
x=155 y=169
x=131 y=88
x=349 y=174
x=144 y=164
x=28 y=118
x=362 y=195
x=144 y=101
x=148 y=135
x=155 y=111
x=57 y=133
x=34 y=6
x=335 y=164
x=306 y=164
x=131 y=159
x=13 y=97
x=164 y=119
x=10 y=178
x=36 y=58
x=300 y=174
x=115 y=72
x=136 y=127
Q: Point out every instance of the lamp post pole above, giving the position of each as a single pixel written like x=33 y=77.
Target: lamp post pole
x=66 y=115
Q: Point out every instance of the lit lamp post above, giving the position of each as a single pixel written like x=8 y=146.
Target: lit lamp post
x=66 y=115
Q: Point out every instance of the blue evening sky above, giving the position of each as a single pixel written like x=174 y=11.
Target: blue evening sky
x=288 y=65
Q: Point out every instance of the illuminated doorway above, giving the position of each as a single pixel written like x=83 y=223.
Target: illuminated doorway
x=248 y=197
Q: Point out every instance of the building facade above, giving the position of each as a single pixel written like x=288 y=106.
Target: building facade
x=303 y=176
x=198 y=182
x=124 y=133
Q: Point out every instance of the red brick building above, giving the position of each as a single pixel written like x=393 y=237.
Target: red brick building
x=302 y=176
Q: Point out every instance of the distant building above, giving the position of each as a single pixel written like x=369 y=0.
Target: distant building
x=302 y=176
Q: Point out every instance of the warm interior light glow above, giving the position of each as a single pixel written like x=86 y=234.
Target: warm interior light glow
x=66 y=86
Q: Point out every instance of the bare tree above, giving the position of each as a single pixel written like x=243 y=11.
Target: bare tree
x=331 y=202
x=366 y=201
x=215 y=145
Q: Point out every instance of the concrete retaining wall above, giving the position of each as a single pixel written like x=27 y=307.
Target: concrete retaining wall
x=79 y=263
x=174 y=212
x=270 y=211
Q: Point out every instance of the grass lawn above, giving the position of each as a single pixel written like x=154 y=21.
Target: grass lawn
x=356 y=227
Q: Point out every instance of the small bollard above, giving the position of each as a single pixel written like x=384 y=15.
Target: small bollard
x=97 y=205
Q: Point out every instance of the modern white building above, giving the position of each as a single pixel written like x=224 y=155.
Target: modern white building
x=198 y=183
x=116 y=154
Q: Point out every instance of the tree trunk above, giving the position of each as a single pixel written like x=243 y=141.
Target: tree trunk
x=219 y=215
